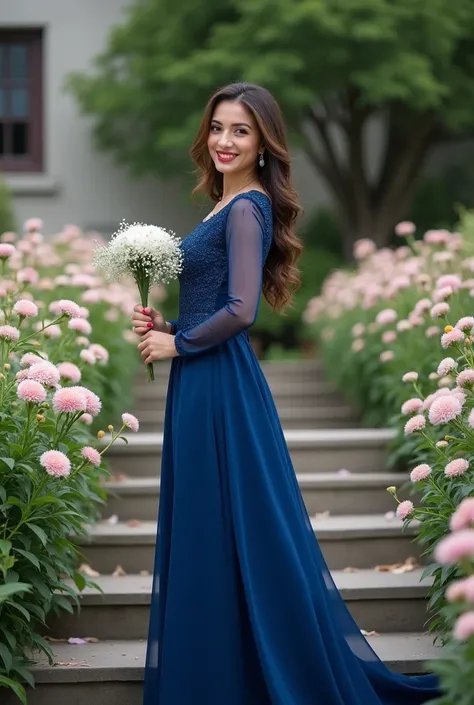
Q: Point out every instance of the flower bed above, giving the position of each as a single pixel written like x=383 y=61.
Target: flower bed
x=64 y=365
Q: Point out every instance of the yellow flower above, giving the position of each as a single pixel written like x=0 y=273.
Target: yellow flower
x=448 y=329
x=392 y=490
x=100 y=434
x=110 y=428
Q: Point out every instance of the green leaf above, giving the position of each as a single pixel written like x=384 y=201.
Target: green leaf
x=24 y=673
x=39 y=533
x=10 y=589
x=6 y=656
x=9 y=462
x=17 y=688
x=30 y=557
x=5 y=546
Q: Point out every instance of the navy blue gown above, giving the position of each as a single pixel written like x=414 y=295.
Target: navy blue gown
x=244 y=610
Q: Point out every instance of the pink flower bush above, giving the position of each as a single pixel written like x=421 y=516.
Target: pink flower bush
x=100 y=352
x=87 y=356
x=463 y=517
x=28 y=275
x=387 y=316
x=420 y=472
x=456 y=467
x=455 y=547
x=6 y=250
x=444 y=409
x=33 y=225
x=363 y=248
x=69 y=400
x=56 y=463
x=405 y=228
x=464 y=627
x=80 y=325
x=45 y=373
x=416 y=423
x=466 y=324
x=410 y=377
x=465 y=378
x=31 y=391
x=70 y=371
x=130 y=422
x=9 y=333
x=412 y=406
x=442 y=294
x=449 y=280
x=25 y=308
x=461 y=590
x=446 y=366
x=404 y=509
x=92 y=455
x=94 y=404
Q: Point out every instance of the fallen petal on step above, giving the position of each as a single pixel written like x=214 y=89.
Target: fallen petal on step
x=112 y=520
x=372 y=633
x=87 y=570
x=53 y=640
x=133 y=522
x=76 y=640
x=322 y=515
x=343 y=472
x=119 y=572
x=390 y=515
x=350 y=569
x=91 y=639
x=408 y=565
x=73 y=662
x=144 y=573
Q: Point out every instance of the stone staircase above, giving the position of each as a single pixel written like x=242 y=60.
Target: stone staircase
x=340 y=469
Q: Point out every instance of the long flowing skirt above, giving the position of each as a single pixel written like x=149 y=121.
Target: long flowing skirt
x=244 y=609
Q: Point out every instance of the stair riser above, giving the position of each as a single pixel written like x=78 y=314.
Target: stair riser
x=364 y=552
x=113 y=621
x=96 y=692
x=289 y=424
x=157 y=402
x=342 y=500
x=330 y=459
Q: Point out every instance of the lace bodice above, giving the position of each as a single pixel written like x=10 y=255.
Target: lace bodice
x=221 y=281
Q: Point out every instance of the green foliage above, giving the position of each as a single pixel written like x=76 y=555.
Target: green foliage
x=7 y=219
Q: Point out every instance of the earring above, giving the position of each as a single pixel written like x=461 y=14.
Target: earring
x=261 y=161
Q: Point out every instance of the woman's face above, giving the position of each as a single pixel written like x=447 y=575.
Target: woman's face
x=234 y=138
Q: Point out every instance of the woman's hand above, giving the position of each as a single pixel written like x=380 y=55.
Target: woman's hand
x=157 y=346
x=147 y=319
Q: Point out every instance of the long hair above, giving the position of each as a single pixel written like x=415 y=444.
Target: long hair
x=281 y=277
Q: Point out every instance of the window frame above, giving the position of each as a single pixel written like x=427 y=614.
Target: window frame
x=33 y=161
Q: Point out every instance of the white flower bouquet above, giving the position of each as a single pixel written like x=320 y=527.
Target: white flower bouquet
x=151 y=255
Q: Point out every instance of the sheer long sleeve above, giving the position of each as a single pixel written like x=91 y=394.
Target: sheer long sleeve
x=244 y=241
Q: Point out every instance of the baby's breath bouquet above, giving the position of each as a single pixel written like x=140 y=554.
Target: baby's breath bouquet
x=151 y=255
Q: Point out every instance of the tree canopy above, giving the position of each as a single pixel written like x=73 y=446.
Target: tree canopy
x=335 y=66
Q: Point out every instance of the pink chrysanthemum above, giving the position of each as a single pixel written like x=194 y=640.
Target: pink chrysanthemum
x=451 y=280
x=25 y=308
x=405 y=228
x=456 y=467
x=9 y=333
x=70 y=371
x=100 y=352
x=416 y=423
x=94 y=404
x=69 y=400
x=446 y=366
x=466 y=324
x=461 y=590
x=363 y=248
x=21 y=375
x=412 y=406
x=440 y=310
x=432 y=331
x=422 y=306
x=403 y=325
x=444 y=409
x=6 y=250
x=463 y=517
x=80 y=325
x=387 y=316
x=131 y=422
x=357 y=330
x=388 y=336
x=470 y=419
x=465 y=377
x=404 y=509
x=440 y=295
x=92 y=455
x=449 y=339
x=420 y=473
x=437 y=237
x=464 y=627
x=56 y=463
x=410 y=377
x=455 y=547
x=28 y=275
x=45 y=373
x=386 y=356
x=67 y=307
x=31 y=391
x=87 y=419
x=33 y=225
x=87 y=356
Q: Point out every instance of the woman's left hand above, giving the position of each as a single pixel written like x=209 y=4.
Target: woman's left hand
x=157 y=346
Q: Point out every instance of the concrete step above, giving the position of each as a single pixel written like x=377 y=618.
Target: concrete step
x=285 y=392
x=379 y=601
x=291 y=417
x=111 y=672
x=318 y=450
x=348 y=540
x=338 y=493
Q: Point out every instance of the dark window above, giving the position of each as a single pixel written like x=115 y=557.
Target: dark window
x=21 y=104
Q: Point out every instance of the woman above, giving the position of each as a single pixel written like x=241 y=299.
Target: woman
x=244 y=610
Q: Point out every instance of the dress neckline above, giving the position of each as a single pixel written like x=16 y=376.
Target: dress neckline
x=237 y=195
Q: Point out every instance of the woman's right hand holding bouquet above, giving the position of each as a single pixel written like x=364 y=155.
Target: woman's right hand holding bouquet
x=146 y=319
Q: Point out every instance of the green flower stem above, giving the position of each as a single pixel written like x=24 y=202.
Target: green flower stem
x=142 y=281
x=114 y=438
x=32 y=335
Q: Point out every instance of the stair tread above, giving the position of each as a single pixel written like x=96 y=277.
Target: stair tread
x=295 y=438
x=328 y=527
x=124 y=660
x=132 y=485
x=363 y=584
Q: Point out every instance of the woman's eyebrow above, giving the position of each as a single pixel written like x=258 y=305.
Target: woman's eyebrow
x=234 y=124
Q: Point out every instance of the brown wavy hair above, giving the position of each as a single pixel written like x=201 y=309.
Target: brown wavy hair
x=281 y=277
